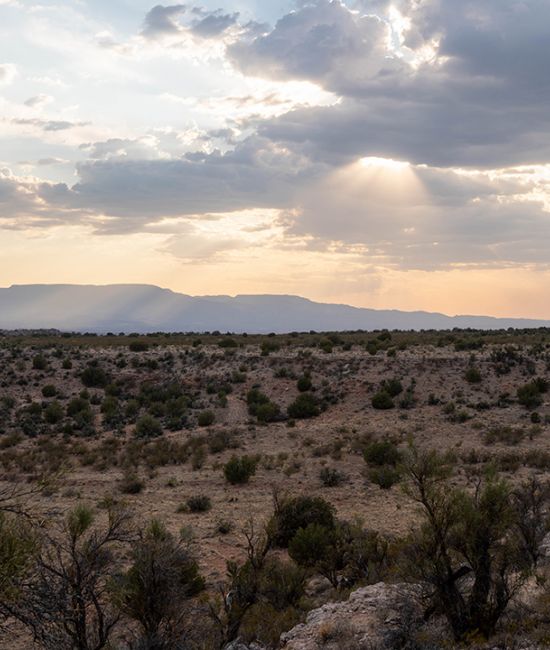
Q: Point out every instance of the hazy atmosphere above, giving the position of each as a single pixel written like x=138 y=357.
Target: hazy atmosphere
x=380 y=154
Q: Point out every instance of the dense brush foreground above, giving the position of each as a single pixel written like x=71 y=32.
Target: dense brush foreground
x=199 y=492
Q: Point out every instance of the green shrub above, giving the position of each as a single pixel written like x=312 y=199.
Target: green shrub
x=80 y=411
x=131 y=483
x=206 y=418
x=294 y=513
x=310 y=545
x=148 y=427
x=268 y=347
x=304 y=406
x=382 y=401
x=94 y=377
x=154 y=591
x=385 y=476
x=282 y=584
x=473 y=375
x=53 y=413
x=49 y=390
x=331 y=477
x=138 y=346
x=224 y=526
x=260 y=406
x=304 y=383
x=269 y=412
x=227 y=342
x=238 y=471
x=199 y=503
x=382 y=452
x=39 y=362
x=371 y=347
x=392 y=386
x=326 y=346
x=529 y=395
x=219 y=441
x=504 y=434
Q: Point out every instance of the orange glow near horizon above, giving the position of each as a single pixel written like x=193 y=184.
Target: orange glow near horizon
x=73 y=256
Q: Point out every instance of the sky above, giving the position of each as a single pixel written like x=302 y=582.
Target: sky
x=380 y=153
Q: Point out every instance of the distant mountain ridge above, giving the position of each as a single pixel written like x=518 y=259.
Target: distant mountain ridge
x=147 y=308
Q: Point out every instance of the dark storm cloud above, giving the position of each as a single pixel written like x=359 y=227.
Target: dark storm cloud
x=482 y=100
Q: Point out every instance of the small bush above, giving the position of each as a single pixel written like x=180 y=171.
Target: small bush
x=131 y=483
x=304 y=406
x=219 y=441
x=224 y=527
x=529 y=395
x=260 y=406
x=384 y=476
x=94 y=377
x=53 y=413
x=138 y=346
x=268 y=347
x=269 y=412
x=392 y=386
x=238 y=471
x=331 y=477
x=227 y=342
x=473 y=375
x=206 y=418
x=298 y=512
x=381 y=453
x=505 y=435
x=304 y=384
x=39 y=362
x=148 y=427
x=309 y=546
x=199 y=503
x=382 y=401
x=49 y=390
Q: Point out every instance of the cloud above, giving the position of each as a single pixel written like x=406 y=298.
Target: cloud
x=213 y=24
x=48 y=125
x=459 y=83
x=162 y=20
x=254 y=174
x=47 y=162
x=323 y=42
x=193 y=247
x=8 y=72
x=39 y=101
x=397 y=215
x=425 y=218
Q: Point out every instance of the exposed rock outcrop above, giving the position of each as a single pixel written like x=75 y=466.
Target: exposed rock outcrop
x=372 y=617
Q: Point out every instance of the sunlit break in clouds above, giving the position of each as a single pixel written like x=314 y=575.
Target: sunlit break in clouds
x=389 y=154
